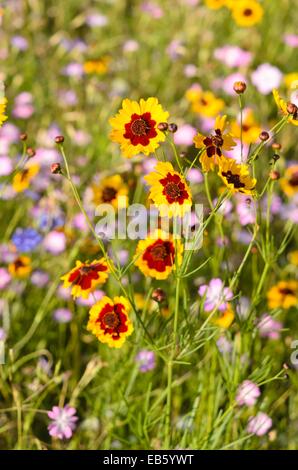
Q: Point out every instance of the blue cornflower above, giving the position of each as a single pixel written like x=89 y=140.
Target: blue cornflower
x=26 y=239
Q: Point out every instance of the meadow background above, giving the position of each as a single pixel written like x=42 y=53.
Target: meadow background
x=66 y=66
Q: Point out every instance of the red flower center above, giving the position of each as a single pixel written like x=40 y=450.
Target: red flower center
x=159 y=255
x=112 y=319
x=286 y=291
x=214 y=143
x=294 y=179
x=85 y=274
x=233 y=179
x=174 y=189
x=248 y=12
x=108 y=194
x=140 y=129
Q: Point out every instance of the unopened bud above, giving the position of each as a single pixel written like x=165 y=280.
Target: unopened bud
x=276 y=146
x=23 y=136
x=239 y=87
x=30 y=152
x=59 y=139
x=173 y=127
x=159 y=295
x=274 y=175
x=163 y=126
x=292 y=108
x=56 y=168
x=264 y=136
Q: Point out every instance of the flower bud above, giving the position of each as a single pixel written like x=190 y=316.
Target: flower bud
x=239 y=87
x=292 y=108
x=163 y=126
x=59 y=139
x=30 y=152
x=274 y=175
x=173 y=127
x=276 y=146
x=264 y=136
x=23 y=136
x=159 y=295
x=276 y=157
x=56 y=168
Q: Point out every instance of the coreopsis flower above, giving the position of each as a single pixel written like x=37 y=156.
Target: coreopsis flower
x=250 y=128
x=284 y=294
x=236 y=176
x=215 y=295
x=259 y=424
x=214 y=144
x=85 y=277
x=63 y=421
x=284 y=109
x=289 y=182
x=3 y=117
x=109 y=321
x=247 y=393
x=293 y=257
x=169 y=190
x=204 y=102
x=226 y=318
x=20 y=267
x=247 y=13
x=98 y=66
x=135 y=127
x=21 y=181
x=291 y=80
x=156 y=255
x=110 y=190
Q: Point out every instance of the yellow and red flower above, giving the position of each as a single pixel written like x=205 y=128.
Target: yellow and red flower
x=214 y=144
x=236 y=176
x=283 y=107
x=111 y=190
x=250 y=128
x=109 y=321
x=289 y=182
x=21 y=181
x=97 y=66
x=246 y=13
x=20 y=267
x=226 y=318
x=156 y=255
x=85 y=277
x=215 y=4
x=284 y=294
x=135 y=127
x=204 y=102
x=3 y=117
x=169 y=190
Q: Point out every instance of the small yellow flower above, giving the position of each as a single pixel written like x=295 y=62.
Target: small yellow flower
x=236 y=176
x=226 y=318
x=282 y=105
x=293 y=257
x=111 y=190
x=250 y=129
x=289 y=182
x=21 y=181
x=20 y=267
x=84 y=278
x=291 y=80
x=215 y=4
x=156 y=255
x=3 y=117
x=284 y=294
x=99 y=66
x=109 y=321
x=135 y=127
x=214 y=144
x=168 y=190
x=247 y=13
x=204 y=102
